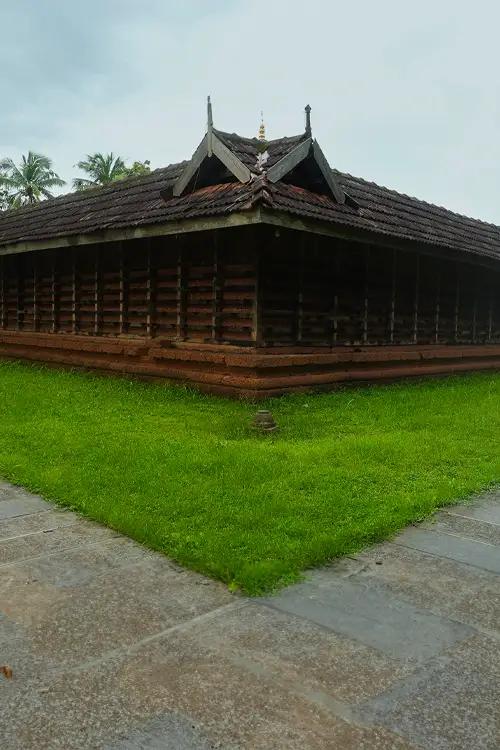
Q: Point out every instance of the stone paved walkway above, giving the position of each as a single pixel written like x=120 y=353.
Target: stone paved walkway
x=113 y=646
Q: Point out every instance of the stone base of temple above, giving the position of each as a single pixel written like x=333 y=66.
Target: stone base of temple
x=246 y=372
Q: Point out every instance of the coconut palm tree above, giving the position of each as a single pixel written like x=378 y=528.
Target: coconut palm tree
x=102 y=169
x=29 y=182
x=4 y=195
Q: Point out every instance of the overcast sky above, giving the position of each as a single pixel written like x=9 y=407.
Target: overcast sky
x=405 y=94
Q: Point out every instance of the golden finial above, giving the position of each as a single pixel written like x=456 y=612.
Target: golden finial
x=262 y=128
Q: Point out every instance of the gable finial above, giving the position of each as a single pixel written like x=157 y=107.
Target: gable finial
x=308 y=120
x=262 y=127
x=210 y=122
x=210 y=126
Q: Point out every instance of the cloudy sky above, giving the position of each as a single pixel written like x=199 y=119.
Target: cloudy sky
x=405 y=94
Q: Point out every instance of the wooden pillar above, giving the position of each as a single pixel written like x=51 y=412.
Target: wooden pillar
x=74 y=291
x=474 y=307
x=438 y=307
x=19 y=293
x=124 y=297
x=97 y=291
x=457 y=303
x=392 y=312
x=36 y=310
x=334 y=315
x=217 y=288
x=150 y=291
x=3 y=301
x=257 y=311
x=54 y=294
x=181 y=291
x=297 y=322
x=490 y=313
x=365 y=297
x=415 y=299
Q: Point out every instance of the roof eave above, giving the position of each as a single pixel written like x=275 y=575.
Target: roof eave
x=251 y=215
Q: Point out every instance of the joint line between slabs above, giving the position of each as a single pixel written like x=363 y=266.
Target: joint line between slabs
x=442 y=557
x=24 y=560
x=40 y=531
x=471 y=518
x=24 y=515
x=133 y=647
x=457 y=536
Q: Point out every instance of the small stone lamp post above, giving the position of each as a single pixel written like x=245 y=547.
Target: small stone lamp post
x=264 y=422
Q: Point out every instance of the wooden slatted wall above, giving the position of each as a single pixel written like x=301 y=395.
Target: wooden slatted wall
x=323 y=292
x=196 y=288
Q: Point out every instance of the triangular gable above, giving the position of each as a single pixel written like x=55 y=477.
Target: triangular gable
x=222 y=157
x=212 y=157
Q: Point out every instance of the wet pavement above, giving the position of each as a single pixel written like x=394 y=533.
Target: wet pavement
x=113 y=646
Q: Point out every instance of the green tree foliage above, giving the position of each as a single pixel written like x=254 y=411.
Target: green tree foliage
x=139 y=168
x=30 y=181
x=4 y=199
x=101 y=169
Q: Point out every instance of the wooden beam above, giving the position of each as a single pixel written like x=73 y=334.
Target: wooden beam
x=189 y=172
x=230 y=160
x=289 y=161
x=282 y=219
x=184 y=226
x=257 y=215
x=327 y=173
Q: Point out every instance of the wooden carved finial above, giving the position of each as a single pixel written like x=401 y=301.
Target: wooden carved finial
x=210 y=126
x=210 y=122
x=262 y=128
x=308 y=120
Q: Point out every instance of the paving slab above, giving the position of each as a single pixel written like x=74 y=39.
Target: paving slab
x=374 y=617
x=485 y=508
x=454 y=702
x=458 y=592
x=461 y=549
x=19 y=506
x=115 y=647
x=465 y=527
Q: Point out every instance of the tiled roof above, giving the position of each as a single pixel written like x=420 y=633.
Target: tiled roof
x=247 y=149
x=137 y=202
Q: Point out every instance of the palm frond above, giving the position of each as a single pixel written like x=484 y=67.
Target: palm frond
x=30 y=180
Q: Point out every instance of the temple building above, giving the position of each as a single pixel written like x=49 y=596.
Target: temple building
x=253 y=269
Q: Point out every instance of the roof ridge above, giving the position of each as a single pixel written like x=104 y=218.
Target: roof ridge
x=254 y=141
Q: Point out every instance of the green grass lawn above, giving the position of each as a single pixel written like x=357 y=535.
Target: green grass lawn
x=185 y=474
